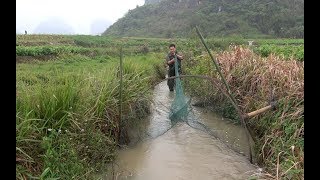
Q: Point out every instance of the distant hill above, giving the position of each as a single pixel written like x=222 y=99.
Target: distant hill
x=53 y=25
x=151 y=1
x=247 y=18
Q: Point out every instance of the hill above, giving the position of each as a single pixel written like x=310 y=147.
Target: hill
x=246 y=18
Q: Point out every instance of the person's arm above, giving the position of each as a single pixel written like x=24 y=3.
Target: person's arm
x=169 y=61
x=179 y=56
x=165 y=62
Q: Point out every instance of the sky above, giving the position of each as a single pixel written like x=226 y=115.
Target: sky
x=76 y=14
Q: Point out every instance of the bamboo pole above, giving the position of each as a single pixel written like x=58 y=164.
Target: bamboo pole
x=216 y=65
x=229 y=93
x=120 y=98
x=259 y=111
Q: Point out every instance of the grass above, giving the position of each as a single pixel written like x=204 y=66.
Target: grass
x=255 y=80
x=68 y=112
x=69 y=106
x=286 y=51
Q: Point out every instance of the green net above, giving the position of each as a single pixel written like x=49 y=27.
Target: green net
x=179 y=108
x=182 y=109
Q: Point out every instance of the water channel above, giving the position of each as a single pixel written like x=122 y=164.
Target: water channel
x=181 y=152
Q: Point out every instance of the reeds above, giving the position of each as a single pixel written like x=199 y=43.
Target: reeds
x=255 y=82
x=67 y=112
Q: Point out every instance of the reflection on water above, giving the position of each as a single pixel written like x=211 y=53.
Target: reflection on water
x=232 y=135
x=181 y=152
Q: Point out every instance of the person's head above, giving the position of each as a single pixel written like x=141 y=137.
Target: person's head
x=172 y=48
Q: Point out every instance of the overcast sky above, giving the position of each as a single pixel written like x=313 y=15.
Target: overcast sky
x=78 y=14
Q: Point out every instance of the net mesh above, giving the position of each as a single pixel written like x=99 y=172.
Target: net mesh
x=189 y=103
x=179 y=108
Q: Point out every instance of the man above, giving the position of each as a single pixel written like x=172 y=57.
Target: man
x=170 y=60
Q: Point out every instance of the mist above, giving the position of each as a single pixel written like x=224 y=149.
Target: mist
x=70 y=17
x=54 y=25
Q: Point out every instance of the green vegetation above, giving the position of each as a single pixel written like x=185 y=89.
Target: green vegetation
x=245 y=18
x=35 y=39
x=48 y=50
x=286 y=51
x=279 y=41
x=254 y=81
x=68 y=123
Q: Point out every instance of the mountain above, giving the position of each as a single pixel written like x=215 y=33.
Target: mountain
x=246 y=18
x=151 y=1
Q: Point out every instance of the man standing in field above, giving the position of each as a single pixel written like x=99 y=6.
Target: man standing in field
x=170 y=60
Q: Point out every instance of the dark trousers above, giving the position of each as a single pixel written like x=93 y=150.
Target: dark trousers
x=171 y=82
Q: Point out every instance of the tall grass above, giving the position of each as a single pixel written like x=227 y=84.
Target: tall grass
x=67 y=113
x=255 y=81
x=68 y=117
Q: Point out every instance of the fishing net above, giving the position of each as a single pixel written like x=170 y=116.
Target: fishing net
x=179 y=108
x=182 y=108
x=192 y=102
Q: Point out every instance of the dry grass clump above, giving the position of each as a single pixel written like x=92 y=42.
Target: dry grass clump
x=255 y=81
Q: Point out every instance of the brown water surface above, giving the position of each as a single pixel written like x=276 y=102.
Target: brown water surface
x=181 y=152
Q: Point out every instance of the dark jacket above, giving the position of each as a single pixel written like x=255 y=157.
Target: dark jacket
x=172 y=66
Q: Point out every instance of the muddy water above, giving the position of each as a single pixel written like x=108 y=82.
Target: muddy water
x=181 y=152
